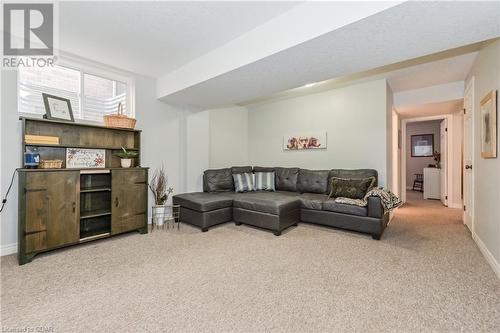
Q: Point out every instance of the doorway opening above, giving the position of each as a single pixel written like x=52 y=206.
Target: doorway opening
x=427 y=160
x=431 y=158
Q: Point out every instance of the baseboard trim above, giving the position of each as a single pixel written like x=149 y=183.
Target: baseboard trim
x=5 y=250
x=487 y=254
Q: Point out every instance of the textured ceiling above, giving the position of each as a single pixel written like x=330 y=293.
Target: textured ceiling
x=407 y=31
x=432 y=109
x=155 y=37
x=431 y=73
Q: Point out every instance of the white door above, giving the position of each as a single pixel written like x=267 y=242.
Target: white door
x=444 y=161
x=468 y=155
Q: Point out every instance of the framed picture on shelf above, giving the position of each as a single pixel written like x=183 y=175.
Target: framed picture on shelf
x=57 y=108
x=422 y=145
x=79 y=158
x=488 y=111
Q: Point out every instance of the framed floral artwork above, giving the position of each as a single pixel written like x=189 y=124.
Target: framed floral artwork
x=79 y=158
x=305 y=141
x=488 y=112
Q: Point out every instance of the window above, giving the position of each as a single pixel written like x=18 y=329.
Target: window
x=91 y=96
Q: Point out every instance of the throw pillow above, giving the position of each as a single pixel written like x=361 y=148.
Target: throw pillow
x=264 y=181
x=217 y=180
x=243 y=182
x=350 y=188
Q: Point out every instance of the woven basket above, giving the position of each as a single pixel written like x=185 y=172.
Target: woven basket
x=50 y=164
x=119 y=120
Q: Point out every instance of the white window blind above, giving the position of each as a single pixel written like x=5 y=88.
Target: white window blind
x=102 y=96
x=91 y=96
x=57 y=81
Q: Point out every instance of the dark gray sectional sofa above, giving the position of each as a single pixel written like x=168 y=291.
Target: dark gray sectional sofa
x=301 y=196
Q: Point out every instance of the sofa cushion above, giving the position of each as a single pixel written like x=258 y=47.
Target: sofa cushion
x=286 y=179
x=331 y=206
x=203 y=201
x=312 y=181
x=267 y=202
x=263 y=169
x=264 y=181
x=313 y=200
x=353 y=174
x=350 y=188
x=241 y=169
x=218 y=180
x=243 y=182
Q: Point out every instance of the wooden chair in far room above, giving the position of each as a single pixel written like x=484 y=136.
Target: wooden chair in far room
x=418 y=183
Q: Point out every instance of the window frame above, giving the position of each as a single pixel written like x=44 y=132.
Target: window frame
x=86 y=67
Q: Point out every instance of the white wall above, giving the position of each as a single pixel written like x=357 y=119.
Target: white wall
x=417 y=164
x=161 y=144
x=197 y=149
x=161 y=129
x=486 y=71
x=355 y=118
x=396 y=153
x=228 y=137
x=11 y=158
x=390 y=137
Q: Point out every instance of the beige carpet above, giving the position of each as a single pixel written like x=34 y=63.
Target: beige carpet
x=426 y=274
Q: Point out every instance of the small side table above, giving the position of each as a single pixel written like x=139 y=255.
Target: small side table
x=170 y=214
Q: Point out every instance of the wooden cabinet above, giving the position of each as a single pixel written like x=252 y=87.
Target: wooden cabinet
x=129 y=200
x=62 y=207
x=49 y=210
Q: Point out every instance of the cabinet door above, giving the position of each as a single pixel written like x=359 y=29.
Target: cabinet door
x=52 y=207
x=129 y=200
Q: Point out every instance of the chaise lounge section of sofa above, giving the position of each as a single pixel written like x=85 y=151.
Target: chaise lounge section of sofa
x=301 y=196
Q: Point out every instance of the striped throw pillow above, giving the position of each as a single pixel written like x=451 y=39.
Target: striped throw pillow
x=264 y=181
x=243 y=182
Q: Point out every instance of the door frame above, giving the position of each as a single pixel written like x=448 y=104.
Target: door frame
x=470 y=86
x=449 y=148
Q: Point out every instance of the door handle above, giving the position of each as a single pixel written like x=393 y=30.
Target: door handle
x=467 y=167
x=116 y=202
x=74 y=206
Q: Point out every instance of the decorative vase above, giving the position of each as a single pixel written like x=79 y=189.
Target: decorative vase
x=158 y=212
x=126 y=162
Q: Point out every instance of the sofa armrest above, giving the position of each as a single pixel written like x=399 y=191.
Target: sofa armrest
x=375 y=208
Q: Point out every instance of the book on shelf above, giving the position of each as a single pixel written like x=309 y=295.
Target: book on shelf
x=41 y=139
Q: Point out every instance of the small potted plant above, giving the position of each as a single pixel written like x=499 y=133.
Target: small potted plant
x=437 y=158
x=158 y=185
x=126 y=157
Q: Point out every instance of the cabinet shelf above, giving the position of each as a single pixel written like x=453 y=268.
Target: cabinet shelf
x=95 y=213
x=95 y=189
x=77 y=146
x=89 y=238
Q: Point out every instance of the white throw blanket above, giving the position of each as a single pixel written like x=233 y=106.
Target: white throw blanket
x=389 y=200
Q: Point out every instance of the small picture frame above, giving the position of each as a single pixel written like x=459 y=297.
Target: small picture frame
x=57 y=108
